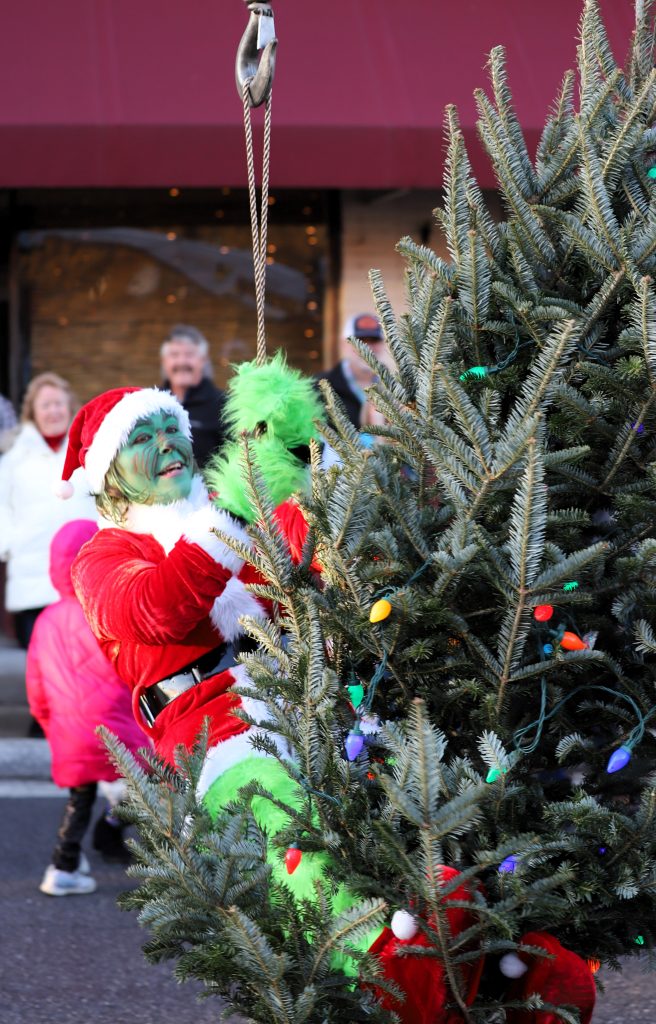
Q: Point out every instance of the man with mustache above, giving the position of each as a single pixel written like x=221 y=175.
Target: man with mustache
x=160 y=591
x=186 y=372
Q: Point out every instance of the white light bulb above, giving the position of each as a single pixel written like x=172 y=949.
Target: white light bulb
x=404 y=925
x=511 y=966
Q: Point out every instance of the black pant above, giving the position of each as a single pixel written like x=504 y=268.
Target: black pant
x=24 y=624
x=74 y=824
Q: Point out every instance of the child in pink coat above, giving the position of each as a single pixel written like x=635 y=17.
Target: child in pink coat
x=72 y=688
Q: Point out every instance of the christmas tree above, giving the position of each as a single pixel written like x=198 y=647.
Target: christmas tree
x=461 y=662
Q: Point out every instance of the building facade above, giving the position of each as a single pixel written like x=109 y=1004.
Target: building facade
x=123 y=206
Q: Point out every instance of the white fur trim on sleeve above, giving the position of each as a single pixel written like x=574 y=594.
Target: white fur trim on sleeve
x=237 y=748
x=198 y=530
x=228 y=608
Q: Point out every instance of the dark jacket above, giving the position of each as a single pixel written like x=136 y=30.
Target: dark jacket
x=204 y=403
x=340 y=386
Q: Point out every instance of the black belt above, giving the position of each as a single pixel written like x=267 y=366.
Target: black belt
x=156 y=697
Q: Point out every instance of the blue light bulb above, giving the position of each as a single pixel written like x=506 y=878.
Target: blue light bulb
x=548 y=648
x=353 y=744
x=508 y=865
x=618 y=759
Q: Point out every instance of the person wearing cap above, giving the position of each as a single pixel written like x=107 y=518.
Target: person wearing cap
x=351 y=376
x=162 y=593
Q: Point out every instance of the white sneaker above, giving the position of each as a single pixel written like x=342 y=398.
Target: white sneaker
x=66 y=883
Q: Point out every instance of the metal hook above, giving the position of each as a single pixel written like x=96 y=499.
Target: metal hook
x=256 y=74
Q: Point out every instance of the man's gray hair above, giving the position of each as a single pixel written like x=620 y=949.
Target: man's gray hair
x=188 y=333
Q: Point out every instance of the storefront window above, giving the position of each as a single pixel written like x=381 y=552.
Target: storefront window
x=103 y=283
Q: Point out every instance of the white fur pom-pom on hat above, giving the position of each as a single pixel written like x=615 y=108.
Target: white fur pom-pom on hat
x=64 y=490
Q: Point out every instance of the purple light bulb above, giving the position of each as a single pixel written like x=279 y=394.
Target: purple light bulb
x=353 y=744
x=508 y=865
x=618 y=759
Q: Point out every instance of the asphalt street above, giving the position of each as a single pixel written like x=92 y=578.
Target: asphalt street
x=76 y=960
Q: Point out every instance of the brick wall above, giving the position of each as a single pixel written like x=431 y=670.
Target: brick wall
x=371 y=227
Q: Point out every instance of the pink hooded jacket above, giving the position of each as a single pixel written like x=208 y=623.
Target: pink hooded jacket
x=71 y=686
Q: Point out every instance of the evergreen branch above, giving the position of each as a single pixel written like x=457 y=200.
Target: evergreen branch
x=347 y=927
x=642 y=314
x=596 y=58
x=556 y=130
x=455 y=215
x=503 y=100
x=469 y=419
x=513 y=182
x=537 y=389
x=403 y=357
x=422 y=254
x=627 y=439
x=642 y=50
x=644 y=636
x=437 y=347
x=526 y=541
x=595 y=199
x=568 y=568
x=588 y=242
x=266 y=965
x=626 y=138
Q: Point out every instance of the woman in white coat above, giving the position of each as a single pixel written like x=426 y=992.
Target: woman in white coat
x=30 y=511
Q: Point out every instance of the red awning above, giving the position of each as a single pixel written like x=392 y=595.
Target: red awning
x=141 y=92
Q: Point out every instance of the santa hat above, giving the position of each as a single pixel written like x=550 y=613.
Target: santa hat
x=103 y=425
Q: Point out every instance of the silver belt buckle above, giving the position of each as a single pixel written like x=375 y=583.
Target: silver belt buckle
x=175 y=685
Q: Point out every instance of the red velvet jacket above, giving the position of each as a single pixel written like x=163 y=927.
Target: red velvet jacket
x=155 y=613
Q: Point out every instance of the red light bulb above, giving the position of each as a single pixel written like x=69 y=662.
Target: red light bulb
x=293 y=858
x=543 y=612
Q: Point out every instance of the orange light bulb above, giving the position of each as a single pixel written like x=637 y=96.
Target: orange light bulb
x=572 y=642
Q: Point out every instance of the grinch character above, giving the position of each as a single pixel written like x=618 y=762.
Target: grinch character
x=161 y=592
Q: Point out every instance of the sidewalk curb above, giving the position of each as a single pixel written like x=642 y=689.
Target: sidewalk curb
x=24 y=760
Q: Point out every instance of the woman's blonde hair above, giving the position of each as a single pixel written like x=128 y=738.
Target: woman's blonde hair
x=42 y=380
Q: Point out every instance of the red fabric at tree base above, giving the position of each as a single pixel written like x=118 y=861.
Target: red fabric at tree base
x=562 y=978
x=428 y=995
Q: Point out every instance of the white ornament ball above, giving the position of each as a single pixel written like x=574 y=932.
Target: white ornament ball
x=404 y=925
x=511 y=966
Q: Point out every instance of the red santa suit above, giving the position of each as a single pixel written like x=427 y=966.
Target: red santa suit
x=160 y=593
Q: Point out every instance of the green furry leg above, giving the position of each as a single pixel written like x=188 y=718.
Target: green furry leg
x=301 y=884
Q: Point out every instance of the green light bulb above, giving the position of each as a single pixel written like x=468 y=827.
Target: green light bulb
x=494 y=774
x=651 y=173
x=356 y=694
x=474 y=372
x=569 y=587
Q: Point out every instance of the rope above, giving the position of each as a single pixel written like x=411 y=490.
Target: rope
x=258 y=223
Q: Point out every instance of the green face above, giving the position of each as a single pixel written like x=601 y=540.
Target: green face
x=156 y=462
